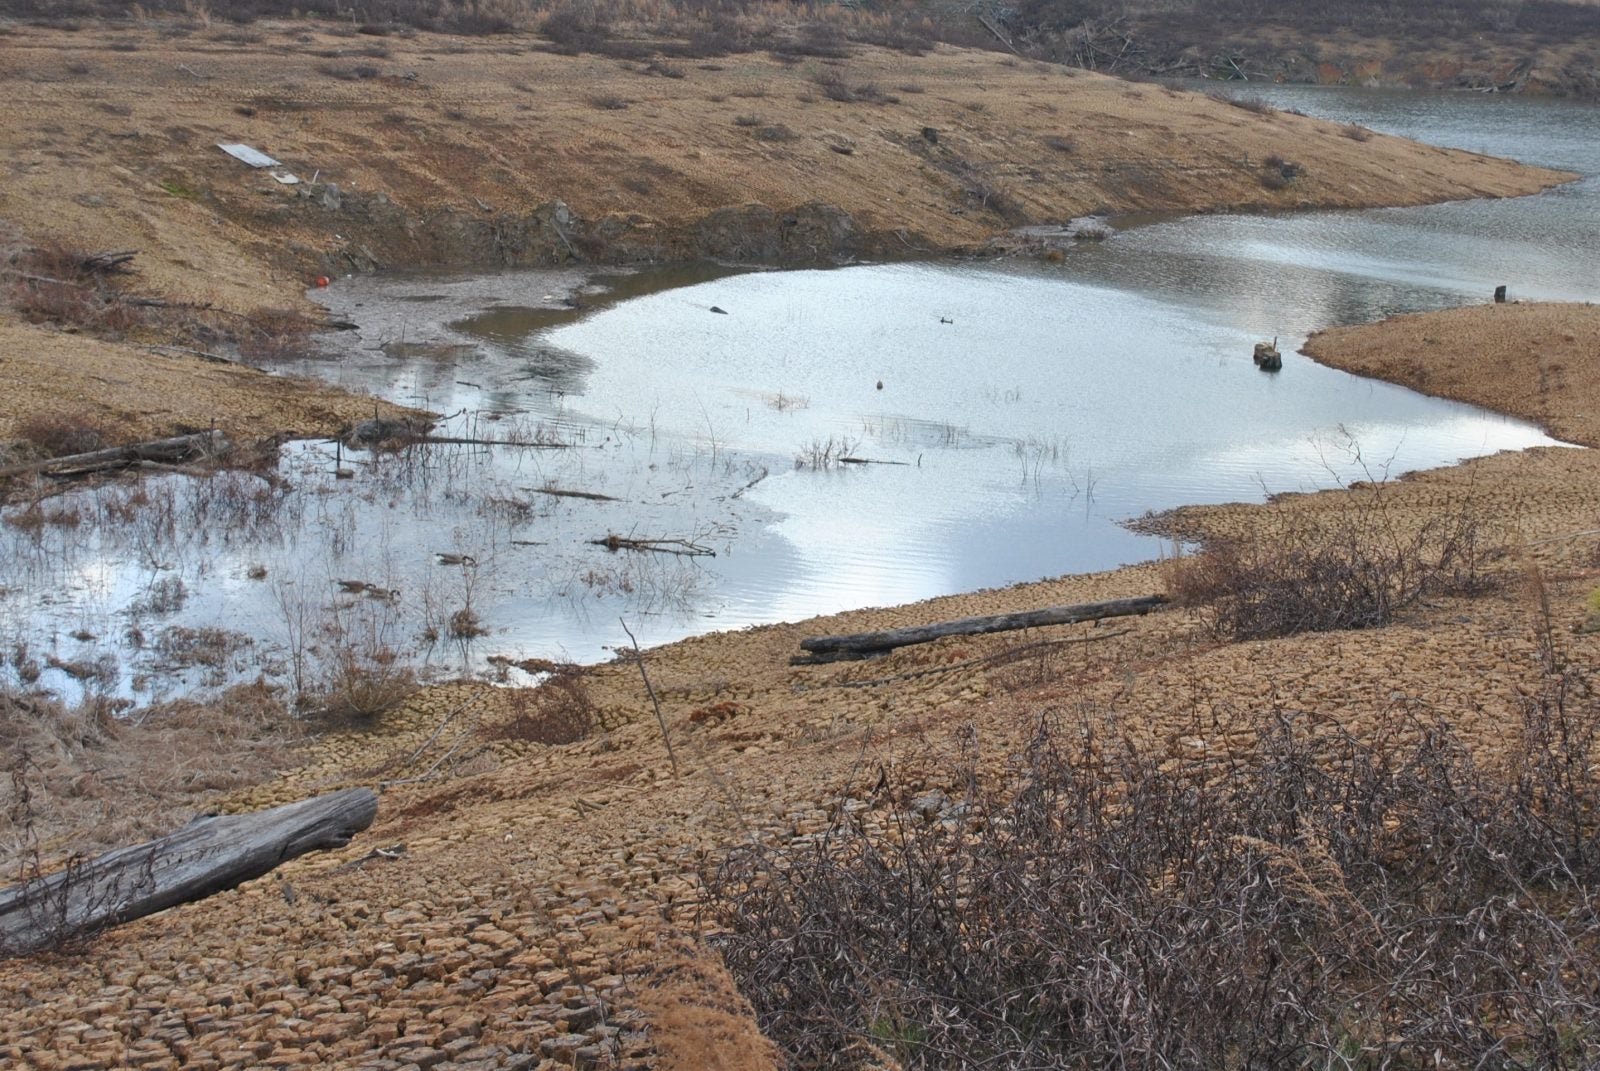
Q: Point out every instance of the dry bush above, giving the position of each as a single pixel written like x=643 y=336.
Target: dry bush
x=1250 y=104
x=359 y=685
x=52 y=282
x=1327 y=903
x=274 y=334
x=350 y=72
x=1357 y=571
x=559 y=711
x=663 y=69
x=60 y=434
x=834 y=86
x=576 y=28
x=777 y=132
x=1356 y=132
x=825 y=40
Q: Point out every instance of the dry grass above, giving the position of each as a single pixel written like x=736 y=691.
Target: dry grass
x=84 y=779
x=1534 y=361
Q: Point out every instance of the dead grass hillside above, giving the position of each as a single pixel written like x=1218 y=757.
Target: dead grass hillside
x=430 y=149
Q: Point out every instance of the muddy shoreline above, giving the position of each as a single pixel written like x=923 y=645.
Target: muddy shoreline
x=537 y=901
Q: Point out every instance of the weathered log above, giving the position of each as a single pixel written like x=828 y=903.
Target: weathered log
x=177 y=448
x=864 y=643
x=207 y=856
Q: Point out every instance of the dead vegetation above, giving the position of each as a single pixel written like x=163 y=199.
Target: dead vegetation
x=559 y=711
x=1325 y=900
x=85 y=778
x=1358 y=569
x=76 y=289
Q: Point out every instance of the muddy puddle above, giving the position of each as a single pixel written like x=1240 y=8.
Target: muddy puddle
x=710 y=448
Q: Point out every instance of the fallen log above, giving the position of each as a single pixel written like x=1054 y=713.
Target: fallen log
x=859 y=644
x=210 y=854
x=177 y=448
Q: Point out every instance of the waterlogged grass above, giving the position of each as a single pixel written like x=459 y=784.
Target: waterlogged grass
x=345 y=576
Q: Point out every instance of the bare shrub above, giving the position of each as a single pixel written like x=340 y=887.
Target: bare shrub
x=1255 y=105
x=1358 y=572
x=52 y=282
x=1356 y=132
x=1287 y=170
x=274 y=334
x=821 y=39
x=777 y=132
x=359 y=685
x=1061 y=144
x=559 y=711
x=748 y=120
x=834 y=86
x=663 y=69
x=60 y=434
x=825 y=454
x=608 y=103
x=465 y=624
x=1327 y=902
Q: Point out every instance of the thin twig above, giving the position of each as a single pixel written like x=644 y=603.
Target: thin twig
x=638 y=658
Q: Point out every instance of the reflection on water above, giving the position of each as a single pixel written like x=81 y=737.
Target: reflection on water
x=999 y=422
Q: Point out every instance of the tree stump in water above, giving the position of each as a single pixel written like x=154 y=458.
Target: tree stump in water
x=1267 y=357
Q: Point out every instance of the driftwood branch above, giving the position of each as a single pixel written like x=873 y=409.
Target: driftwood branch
x=1010 y=654
x=206 y=856
x=562 y=492
x=659 y=546
x=461 y=440
x=168 y=451
x=867 y=643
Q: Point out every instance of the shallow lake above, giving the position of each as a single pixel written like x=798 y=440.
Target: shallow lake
x=831 y=439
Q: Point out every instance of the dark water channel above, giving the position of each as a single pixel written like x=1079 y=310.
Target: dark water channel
x=1025 y=411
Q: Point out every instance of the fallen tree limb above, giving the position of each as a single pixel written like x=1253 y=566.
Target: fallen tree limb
x=207 y=856
x=562 y=492
x=865 y=643
x=457 y=440
x=177 y=448
x=658 y=546
x=1010 y=654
